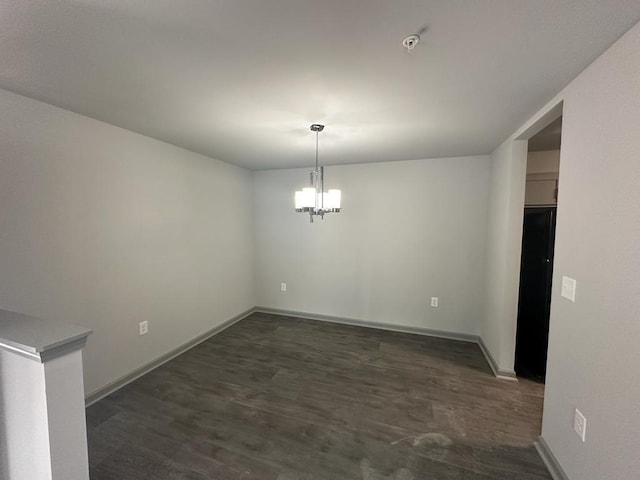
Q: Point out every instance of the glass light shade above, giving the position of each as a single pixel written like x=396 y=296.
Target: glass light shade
x=309 y=197
x=322 y=200
x=332 y=199
x=305 y=198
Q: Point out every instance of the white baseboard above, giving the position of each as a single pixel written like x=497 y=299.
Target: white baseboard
x=102 y=392
x=499 y=373
x=367 y=324
x=549 y=459
x=108 y=389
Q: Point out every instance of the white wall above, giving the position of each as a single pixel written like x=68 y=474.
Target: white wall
x=104 y=228
x=593 y=343
x=504 y=243
x=408 y=231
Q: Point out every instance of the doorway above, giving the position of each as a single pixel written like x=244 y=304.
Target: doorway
x=536 y=266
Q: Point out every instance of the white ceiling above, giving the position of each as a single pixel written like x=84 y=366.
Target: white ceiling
x=242 y=80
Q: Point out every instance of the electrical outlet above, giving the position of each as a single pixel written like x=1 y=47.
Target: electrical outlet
x=568 y=288
x=283 y=287
x=143 y=327
x=434 y=301
x=580 y=424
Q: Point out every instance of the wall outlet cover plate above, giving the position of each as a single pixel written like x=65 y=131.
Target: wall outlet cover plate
x=143 y=327
x=568 y=288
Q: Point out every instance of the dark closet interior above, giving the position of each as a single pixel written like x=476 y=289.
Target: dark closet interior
x=536 y=266
x=534 y=303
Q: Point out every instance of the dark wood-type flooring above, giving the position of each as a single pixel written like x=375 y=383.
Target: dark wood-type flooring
x=279 y=398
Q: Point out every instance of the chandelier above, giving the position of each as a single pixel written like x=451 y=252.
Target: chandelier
x=314 y=200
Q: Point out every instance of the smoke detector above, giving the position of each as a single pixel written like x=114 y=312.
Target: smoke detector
x=410 y=42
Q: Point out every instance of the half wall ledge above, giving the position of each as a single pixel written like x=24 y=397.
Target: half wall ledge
x=38 y=339
x=42 y=419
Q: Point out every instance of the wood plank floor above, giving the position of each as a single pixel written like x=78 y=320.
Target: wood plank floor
x=278 y=398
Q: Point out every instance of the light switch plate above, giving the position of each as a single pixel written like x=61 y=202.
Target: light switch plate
x=283 y=287
x=568 y=288
x=434 y=301
x=580 y=424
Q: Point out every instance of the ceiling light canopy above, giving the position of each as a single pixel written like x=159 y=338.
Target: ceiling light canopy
x=314 y=200
x=411 y=41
